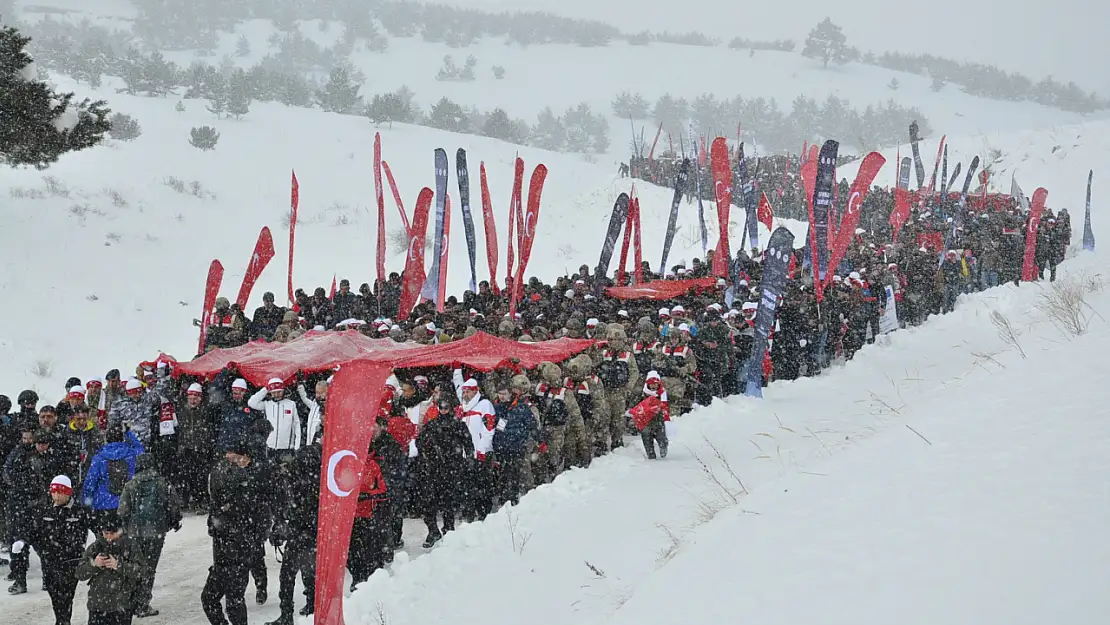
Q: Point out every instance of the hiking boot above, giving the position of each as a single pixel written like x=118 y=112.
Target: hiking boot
x=662 y=450
x=145 y=612
x=284 y=619
x=308 y=610
x=17 y=589
x=260 y=596
x=432 y=540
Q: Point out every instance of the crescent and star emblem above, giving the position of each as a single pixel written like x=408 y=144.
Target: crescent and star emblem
x=333 y=462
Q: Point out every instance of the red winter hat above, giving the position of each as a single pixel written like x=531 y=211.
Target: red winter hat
x=61 y=484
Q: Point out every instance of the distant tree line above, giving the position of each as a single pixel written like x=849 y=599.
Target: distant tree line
x=766 y=125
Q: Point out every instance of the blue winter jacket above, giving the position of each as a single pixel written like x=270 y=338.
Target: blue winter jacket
x=96 y=494
x=516 y=423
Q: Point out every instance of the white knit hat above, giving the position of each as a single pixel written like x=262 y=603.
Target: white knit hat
x=195 y=389
x=239 y=383
x=133 y=384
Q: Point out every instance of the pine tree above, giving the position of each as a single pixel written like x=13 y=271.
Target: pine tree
x=387 y=108
x=894 y=84
x=243 y=47
x=467 y=72
x=622 y=104
x=38 y=125
x=446 y=115
x=180 y=108
x=340 y=94
x=826 y=42
x=498 y=72
x=500 y=126
x=124 y=128
x=638 y=107
x=204 y=138
x=549 y=132
x=449 y=71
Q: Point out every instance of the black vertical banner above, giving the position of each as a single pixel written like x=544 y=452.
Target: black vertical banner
x=672 y=223
x=822 y=203
x=776 y=261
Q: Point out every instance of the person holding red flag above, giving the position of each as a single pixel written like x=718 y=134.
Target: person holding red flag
x=652 y=414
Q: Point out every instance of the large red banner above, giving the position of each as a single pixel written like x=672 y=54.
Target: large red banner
x=352 y=407
x=491 y=229
x=626 y=240
x=414 y=261
x=263 y=253
x=846 y=231
x=1036 y=209
x=381 y=209
x=514 y=204
x=397 y=197
x=638 y=254
x=722 y=191
x=211 y=292
x=528 y=231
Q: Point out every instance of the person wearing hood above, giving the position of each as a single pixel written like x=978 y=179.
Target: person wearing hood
x=59 y=441
x=113 y=565
x=61 y=529
x=84 y=438
x=149 y=509
x=28 y=413
x=620 y=376
x=557 y=407
x=589 y=395
x=27 y=474
x=517 y=425
x=136 y=411
x=480 y=418
x=111 y=468
x=446 y=451
x=651 y=415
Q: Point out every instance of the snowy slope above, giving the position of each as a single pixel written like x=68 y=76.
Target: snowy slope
x=534 y=78
x=850 y=516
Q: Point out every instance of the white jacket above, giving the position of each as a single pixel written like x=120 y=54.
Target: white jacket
x=315 y=415
x=284 y=418
x=479 y=417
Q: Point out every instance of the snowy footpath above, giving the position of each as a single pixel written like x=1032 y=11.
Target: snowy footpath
x=939 y=477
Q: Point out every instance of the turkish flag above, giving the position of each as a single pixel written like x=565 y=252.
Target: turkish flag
x=350 y=413
x=414 y=264
x=765 y=214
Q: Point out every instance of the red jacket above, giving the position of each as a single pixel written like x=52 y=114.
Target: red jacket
x=372 y=490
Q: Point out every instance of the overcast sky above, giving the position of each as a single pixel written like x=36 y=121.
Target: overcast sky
x=1064 y=38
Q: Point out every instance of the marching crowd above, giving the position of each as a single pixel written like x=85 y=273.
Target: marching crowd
x=127 y=456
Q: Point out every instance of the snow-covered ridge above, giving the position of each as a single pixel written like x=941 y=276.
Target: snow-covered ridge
x=914 y=470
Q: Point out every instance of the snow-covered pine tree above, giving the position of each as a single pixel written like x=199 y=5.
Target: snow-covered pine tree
x=549 y=132
x=827 y=42
x=340 y=94
x=37 y=125
x=204 y=138
x=124 y=128
x=447 y=115
x=242 y=47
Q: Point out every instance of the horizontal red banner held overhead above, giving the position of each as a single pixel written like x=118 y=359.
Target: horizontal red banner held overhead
x=662 y=289
x=260 y=361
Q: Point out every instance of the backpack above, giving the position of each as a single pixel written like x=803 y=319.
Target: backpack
x=119 y=473
x=153 y=510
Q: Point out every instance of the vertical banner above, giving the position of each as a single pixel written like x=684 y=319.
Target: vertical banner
x=623 y=264
x=901 y=212
x=397 y=197
x=868 y=169
x=748 y=199
x=414 y=262
x=697 y=189
x=430 y=291
x=722 y=192
x=915 y=148
x=294 y=204
x=514 y=210
x=1029 y=271
x=463 y=175
x=381 y=212
x=446 y=256
x=1088 y=231
x=263 y=253
x=331 y=295
x=672 y=222
x=780 y=248
x=651 y=153
x=823 y=185
x=616 y=222
x=490 y=223
x=351 y=410
x=638 y=254
x=528 y=232
x=211 y=292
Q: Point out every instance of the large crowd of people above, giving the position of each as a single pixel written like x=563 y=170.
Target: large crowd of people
x=127 y=456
